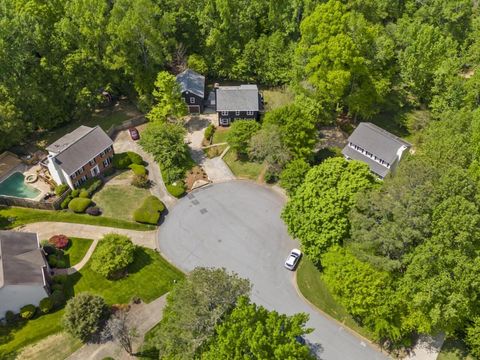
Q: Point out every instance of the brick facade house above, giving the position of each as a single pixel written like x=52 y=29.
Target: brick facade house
x=83 y=154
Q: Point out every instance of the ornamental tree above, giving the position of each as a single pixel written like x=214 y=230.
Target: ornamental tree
x=241 y=131
x=112 y=255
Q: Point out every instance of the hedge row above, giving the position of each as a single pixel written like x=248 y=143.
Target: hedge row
x=122 y=161
x=150 y=211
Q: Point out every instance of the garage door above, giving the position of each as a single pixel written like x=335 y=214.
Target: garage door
x=194 y=109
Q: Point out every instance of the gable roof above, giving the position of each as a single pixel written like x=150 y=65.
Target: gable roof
x=377 y=141
x=75 y=149
x=238 y=98
x=21 y=260
x=193 y=82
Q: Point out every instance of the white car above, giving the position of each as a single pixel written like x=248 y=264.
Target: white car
x=292 y=259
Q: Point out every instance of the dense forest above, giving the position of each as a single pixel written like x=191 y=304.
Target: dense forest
x=403 y=255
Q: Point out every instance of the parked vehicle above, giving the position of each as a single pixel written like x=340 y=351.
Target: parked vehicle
x=134 y=134
x=293 y=259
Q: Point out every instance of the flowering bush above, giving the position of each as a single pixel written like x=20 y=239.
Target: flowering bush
x=59 y=241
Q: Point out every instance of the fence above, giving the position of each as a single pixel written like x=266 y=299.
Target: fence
x=114 y=129
x=32 y=204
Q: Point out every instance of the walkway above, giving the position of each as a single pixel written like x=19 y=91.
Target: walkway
x=143 y=317
x=123 y=143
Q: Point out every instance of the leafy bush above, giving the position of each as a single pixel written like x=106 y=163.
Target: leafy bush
x=109 y=172
x=293 y=175
x=58 y=298
x=89 y=188
x=10 y=317
x=138 y=169
x=121 y=161
x=75 y=193
x=176 y=190
x=141 y=181
x=271 y=176
x=240 y=134
x=58 y=287
x=46 y=305
x=49 y=249
x=209 y=131
x=79 y=205
x=150 y=211
x=60 y=279
x=112 y=255
x=61 y=262
x=52 y=261
x=60 y=189
x=59 y=241
x=135 y=158
x=83 y=315
x=27 y=311
x=66 y=201
x=94 y=186
x=84 y=194
x=94 y=211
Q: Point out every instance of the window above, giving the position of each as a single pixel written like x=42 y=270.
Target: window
x=192 y=100
x=249 y=112
x=225 y=113
x=84 y=178
x=76 y=184
x=237 y=113
x=92 y=162
x=106 y=162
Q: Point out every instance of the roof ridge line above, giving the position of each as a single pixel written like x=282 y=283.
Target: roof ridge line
x=80 y=138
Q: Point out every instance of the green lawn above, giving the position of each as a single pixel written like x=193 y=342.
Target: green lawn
x=77 y=250
x=120 y=201
x=312 y=287
x=277 y=97
x=148 y=351
x=49 y=348
x=215 y=151
x=149 y=277
x=454 y=349
x=22 y=216
x=106 y=117
x=220 y=135
x=242 y=169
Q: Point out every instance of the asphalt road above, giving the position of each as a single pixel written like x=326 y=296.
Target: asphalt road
x=237 y=225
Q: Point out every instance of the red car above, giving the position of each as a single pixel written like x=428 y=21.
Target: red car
x=134 y=133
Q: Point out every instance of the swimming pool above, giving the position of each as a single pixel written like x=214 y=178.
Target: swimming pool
x=15 y=185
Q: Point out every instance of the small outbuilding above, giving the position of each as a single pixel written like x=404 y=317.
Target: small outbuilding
x=379 y=149
x=193 y=90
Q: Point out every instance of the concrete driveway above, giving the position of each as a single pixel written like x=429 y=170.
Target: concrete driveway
x=237 y=225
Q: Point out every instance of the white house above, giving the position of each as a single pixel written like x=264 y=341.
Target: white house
x=23 y=271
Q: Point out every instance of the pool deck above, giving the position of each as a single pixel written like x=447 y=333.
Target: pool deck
x=25 y=169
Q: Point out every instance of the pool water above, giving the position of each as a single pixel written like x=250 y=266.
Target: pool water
x=15 y=185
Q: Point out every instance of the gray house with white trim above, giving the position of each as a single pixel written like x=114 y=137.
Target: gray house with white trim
x=23 y=271
x=237 y=102
x=376 y=147
x=192 y=85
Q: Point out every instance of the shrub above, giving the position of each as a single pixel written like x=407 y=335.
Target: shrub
x=176 y=190
x=61 y=263
x=27 y=311
x=58 y=287
x=83 y=315
x=109 y=172
x=94 y=211
x=94 y=186
x=60 y=189
x=75 y=193
x=135 y=158
x=79 y=205
x=52 y=260
x=84 y=194
x=141 y=181
x=10 y=317
x=138 y=169
x=46 y=305
x=59 y=241
x=150 y=211
x=49 y=249
x=112 y=255
x=121 y=161
x=66 y=201
x=60 y=279
x=58 y=298
x=293 y=175
x=209 y=131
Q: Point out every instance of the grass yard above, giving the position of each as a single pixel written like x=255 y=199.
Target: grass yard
x=22 y=216
x=77 y=250
x=277 y=97
x=50 y=349
x=120 y=201
x=454 y=349
x=312 y=287
x=147 y=350
x=149 y=277
x=243 y=169
x=105 y=117
x=33 y=330
x=215 y=151
x=220 y=135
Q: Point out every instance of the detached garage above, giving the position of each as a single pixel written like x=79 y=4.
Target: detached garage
x=193 y=90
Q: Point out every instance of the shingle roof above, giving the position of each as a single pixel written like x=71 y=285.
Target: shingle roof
x=21 y=260
x=238 y=98
x=375 y=167
x=192 y=81
x=78 y=147
x=377 y=141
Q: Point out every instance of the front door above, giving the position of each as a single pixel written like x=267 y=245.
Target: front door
x=95 y=171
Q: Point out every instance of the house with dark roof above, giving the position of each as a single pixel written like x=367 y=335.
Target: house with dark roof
x=237 y=102
x=83 y=154
x=24 y=271
x=192 y=85
x=376 y=147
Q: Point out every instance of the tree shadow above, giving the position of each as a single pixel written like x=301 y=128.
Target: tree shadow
x=141 y=259
x=316 y=349
x=197 y=123
x=163 y=215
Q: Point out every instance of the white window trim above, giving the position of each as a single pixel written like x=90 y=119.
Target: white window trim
x=192 y=100
x=225 y=113
x=104 y=152
x=237 y=113
x=250 y=112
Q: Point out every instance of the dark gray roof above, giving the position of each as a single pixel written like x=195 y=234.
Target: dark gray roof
x=79 y=147
x=238 y=98
x=21 y=260
x=377 y=141
x=193 y=82
x=375 y=167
